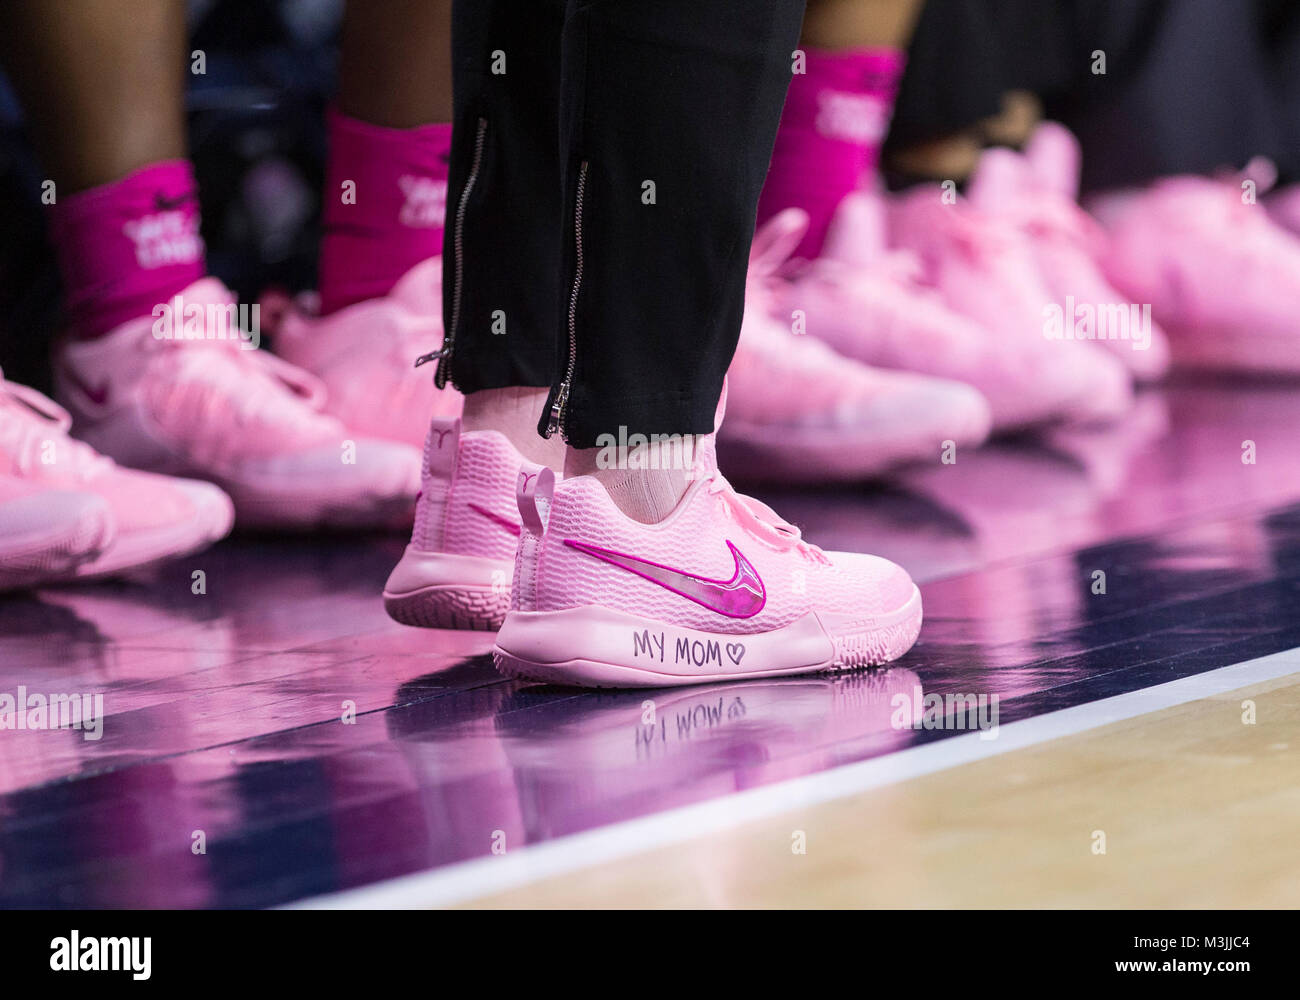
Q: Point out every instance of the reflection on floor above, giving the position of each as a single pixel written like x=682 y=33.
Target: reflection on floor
x=227 y=776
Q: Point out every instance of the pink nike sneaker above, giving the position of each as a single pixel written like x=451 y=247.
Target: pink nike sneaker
x=365 y=354
x=137 y=519
x=986 y=269
x=1038 y=193
x=799 y=411
x=456 y=571
x=201 y=403
x=721 y=589
x=1220 y=273
x=867 y=301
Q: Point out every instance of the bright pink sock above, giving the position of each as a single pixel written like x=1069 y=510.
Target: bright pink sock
x=390 y=217
x=835 y=118
x=124 y=247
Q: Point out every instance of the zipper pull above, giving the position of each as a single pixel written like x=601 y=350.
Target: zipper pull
x=557 y=408
x=441 y=355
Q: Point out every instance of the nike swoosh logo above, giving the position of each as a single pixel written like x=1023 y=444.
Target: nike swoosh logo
x=164 y=204
x=510 y=526
x=743 y=596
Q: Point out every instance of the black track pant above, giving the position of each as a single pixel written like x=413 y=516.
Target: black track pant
x=606 y=162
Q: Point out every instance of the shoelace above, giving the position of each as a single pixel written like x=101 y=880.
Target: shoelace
x=762 y=521
x=1051 y=217
x=772 y=266
x=256 y=383
x=28 y=420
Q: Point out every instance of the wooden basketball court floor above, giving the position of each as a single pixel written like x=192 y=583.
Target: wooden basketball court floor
x=1130 y=596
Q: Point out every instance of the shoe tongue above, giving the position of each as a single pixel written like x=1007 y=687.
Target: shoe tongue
x=857 y=234
x=1052 y=157
x=1000 y=177
x=776 y=240
x=420 y=288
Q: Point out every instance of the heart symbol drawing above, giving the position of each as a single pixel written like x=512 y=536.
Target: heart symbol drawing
x=736 y=650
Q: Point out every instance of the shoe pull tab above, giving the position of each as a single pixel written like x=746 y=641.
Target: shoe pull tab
x=442 y=450
x=533 y=491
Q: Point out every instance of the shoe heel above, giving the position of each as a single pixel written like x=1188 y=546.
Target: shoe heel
x=480 y=609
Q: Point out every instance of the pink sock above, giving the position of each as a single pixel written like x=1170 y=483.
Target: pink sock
x=124 y=247
x=390 y=217
x=835 y=118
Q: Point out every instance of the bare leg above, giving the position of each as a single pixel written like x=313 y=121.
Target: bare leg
x=101 y=84
x=395 y=71
x=837 y=111
x=395 y=62
x=841 y=24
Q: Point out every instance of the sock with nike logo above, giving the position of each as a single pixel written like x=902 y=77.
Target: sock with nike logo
x=383 y=209
x=835 y=119
x=126 y=246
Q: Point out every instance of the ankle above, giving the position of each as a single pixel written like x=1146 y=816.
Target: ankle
x=646 y=482
x=513 y=412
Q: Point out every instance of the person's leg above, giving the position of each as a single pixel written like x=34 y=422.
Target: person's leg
x=156 y=368
x=501 y=273
x=104 y=111
x=383 y=211
x=838 y=109
x=668 y=116
x=667 y=121
x=389 y=139
x=501 y=249
x=103 y=104
x=99 y=101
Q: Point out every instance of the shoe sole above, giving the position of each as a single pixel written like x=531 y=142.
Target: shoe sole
x=444 y=590
x=143 y=550
x=450 y=607
x=56 y=558
x=629 y=651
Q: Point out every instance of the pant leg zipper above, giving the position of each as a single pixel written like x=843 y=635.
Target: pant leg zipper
x=443 y=354
x=560 y=401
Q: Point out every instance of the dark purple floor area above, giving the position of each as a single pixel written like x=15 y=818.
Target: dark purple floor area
x=223 y=710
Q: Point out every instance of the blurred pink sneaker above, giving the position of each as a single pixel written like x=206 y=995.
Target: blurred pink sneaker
x=365 y=354
x=1039 y=193
x=45 y=534
x=985 y=268
x=721 y=589
x=1284 y=206
x=456 y=571
x=203 y=403
x=799 y=411
x=867 y=302
x=1221 y=275
x=138 y=518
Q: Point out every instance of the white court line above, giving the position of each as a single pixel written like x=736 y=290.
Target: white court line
x=485 y=876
